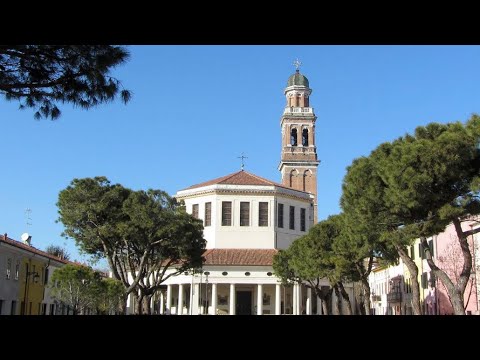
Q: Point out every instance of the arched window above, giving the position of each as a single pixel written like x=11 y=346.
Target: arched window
x=293 y=137
x=292 y=176
x=307 y=178
x=305 y=137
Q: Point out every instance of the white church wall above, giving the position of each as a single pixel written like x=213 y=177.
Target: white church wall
x=252 y=236
x=285 y=235
x=208 y=231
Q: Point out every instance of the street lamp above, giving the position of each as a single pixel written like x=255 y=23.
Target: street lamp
x=206 y=291
x=25 y=295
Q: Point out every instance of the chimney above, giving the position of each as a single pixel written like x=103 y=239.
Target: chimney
x=5 y=236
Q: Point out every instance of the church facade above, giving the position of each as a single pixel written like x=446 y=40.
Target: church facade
x=247 y=219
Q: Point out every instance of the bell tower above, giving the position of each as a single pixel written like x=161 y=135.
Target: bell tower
x=299 y=162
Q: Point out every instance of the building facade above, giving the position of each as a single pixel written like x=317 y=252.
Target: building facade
x=391 y=289
x=24 y=287
x=246 y=220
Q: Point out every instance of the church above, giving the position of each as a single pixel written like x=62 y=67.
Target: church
x=246 y=220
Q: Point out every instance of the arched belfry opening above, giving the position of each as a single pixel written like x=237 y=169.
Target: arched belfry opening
x=305 y=137
x=293 y=137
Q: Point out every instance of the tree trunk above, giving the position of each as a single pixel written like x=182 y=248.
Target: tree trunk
x=139 y=305
x=366 y=296
x=147 y=309
x=338 y=306
x=413 y=269
x=323 y=300
x=346 y=298
x=365 y=285
x=124 y=305
x=325 y=307
x=456 y=297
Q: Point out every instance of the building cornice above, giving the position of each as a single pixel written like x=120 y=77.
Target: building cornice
x=236 y=190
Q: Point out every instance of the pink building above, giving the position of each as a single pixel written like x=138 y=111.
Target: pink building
x=448 y=257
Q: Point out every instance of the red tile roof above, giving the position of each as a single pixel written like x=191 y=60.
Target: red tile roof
x=238 y=178
x=259 y=257
x=18 y=244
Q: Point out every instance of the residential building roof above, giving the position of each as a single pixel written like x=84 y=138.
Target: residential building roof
x=5 y=239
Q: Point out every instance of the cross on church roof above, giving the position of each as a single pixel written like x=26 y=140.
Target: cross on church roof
x=297 y=63
x=242 y=157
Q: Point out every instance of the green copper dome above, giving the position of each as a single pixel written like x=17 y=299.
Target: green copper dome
x=297 y=79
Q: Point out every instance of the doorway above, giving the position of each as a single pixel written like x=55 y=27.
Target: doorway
x=244 y=303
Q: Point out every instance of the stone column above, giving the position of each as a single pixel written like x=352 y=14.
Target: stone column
x=278 y=295
x=214 y=299
x=319 y=306
x=168 y=307
x=180 y=300
x=300 y=299
x=294 y=299
x=161 y=303
x=309 y=301
x=232 y=299
x=195 y=299
x=259 y=299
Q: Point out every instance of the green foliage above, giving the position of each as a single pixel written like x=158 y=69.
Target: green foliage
x=111 y=296
x=141 y=233
x=281 y=267
x=76 y=286
x=365 y=215
x=413 y=188
x=312 y=256
x=91 y=211
x=421 y=182
x=58 y=251
x=41 y=76
x=428 y=177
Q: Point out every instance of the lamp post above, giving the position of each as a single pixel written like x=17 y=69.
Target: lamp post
x=206 y=290
x=25 y=295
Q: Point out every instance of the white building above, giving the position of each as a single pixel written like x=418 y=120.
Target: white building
x=246 y=220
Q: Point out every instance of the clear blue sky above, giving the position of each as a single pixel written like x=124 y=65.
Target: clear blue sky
x=195 y=109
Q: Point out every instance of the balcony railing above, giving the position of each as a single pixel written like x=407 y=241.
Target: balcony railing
x=298 y=110
x=394 y=297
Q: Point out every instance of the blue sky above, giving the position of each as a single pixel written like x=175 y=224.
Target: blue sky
x=195 y=109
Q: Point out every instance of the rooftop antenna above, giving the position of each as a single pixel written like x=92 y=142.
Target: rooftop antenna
x=28 y=219
x=26 y=237
x=242 y=157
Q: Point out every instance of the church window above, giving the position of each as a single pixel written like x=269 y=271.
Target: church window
x=226 y=213
x=292 y=217
x=195 y=211
x=208 y=214
x=280 y=216
x=293 y=137
x=305 y=137
x=263 y=214
x=302 y=219
x=244 y=213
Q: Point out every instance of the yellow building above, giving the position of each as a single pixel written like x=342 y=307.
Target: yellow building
x=27 y=270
